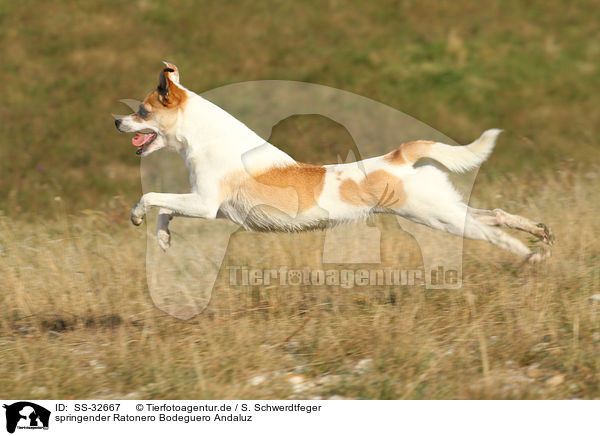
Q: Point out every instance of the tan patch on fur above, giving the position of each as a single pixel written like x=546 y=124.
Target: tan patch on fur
x=169 y=94
x=166 y=115
x=409 y=152
x=164 y=103
x=176 y=99
x=378 y=189
x=291 y=189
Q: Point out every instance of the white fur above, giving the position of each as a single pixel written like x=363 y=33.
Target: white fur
x=460 y=159
x=216 y=145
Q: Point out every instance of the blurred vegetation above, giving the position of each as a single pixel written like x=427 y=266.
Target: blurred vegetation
x=528 y=67
x=78 y=314
x=79 y=322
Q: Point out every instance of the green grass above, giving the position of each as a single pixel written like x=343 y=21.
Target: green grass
x=78 y=319
x=527 y=67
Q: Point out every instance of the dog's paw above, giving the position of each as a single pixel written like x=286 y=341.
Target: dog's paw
x=546 y=234
x=164 y=239
x=538 y=254
x=136 y=217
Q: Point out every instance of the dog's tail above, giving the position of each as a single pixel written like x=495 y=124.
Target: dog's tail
x=456 y=158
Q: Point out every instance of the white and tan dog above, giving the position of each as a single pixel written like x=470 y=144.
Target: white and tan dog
x=236 y=174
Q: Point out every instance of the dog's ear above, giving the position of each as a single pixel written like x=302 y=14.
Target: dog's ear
x=168 y=79
x=172 y=71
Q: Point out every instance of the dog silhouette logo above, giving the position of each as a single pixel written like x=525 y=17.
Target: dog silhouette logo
x=26 y=415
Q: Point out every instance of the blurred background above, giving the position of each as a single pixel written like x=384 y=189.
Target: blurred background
x=530 y=68
x=78 y=320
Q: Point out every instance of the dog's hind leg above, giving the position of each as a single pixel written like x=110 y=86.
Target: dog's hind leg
x=455 y=220
x=476 y=229
x=163 y=235
x=473 y=229
x=500 y=218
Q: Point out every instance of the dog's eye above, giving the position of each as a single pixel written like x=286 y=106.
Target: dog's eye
x=143 y=112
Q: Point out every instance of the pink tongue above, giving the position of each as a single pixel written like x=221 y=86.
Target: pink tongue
x=139 y=139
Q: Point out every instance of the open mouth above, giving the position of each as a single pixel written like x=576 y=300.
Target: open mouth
x=142 y=141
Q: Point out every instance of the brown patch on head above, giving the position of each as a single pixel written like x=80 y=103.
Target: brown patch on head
x=378 y=189
x=168 y=93
x=291 y=189
x=409 y=152
x=164 y=103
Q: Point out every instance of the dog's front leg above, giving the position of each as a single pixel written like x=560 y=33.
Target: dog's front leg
x=187 y=205
x=163 y=235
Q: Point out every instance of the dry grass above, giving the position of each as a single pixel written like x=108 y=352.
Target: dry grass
x=79 y=321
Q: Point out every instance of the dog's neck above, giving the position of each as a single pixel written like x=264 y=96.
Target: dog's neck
x=210 y=135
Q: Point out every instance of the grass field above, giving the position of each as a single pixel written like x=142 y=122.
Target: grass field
x=79 y=321
x=77 y=317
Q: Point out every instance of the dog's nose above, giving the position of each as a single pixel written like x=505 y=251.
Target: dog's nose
x=117 y=123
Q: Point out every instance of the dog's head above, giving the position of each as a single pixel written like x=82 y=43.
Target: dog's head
x=157 y=115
